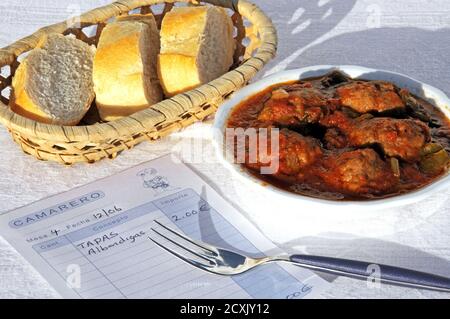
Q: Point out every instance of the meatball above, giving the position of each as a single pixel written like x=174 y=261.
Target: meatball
x=402 y=138
x=295 y=152
x=366 y=97
x=302 y=105
x=359 y=172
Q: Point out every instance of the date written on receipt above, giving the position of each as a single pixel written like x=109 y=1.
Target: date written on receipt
x=94 y=241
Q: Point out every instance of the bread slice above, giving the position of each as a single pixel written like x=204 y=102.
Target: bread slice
x=197 y=46
x=125 y=76
x=53 y=84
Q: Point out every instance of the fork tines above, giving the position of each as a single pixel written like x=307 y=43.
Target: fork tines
x=189 y=247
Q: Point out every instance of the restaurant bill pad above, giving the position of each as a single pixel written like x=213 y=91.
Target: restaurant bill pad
x=100 y=246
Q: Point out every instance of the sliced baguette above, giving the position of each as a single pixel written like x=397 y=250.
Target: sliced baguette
x=125 y=76
x=197 y=46
x=53 y=84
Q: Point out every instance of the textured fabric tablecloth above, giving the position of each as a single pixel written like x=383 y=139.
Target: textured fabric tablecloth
x=411 y=37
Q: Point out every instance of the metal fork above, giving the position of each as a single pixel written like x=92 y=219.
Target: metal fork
x=225 y=262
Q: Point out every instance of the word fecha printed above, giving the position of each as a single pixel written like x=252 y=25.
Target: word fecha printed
x=56 y=210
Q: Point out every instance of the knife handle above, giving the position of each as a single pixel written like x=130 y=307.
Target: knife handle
x=372 y=271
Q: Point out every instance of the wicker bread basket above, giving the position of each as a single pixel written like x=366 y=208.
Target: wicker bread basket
x=256 y=45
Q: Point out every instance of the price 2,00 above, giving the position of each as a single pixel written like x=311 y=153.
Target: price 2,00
x=179 y=217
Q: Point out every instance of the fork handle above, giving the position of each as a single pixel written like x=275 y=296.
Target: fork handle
x=368 y=271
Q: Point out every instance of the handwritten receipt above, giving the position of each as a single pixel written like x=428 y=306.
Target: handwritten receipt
x=94 y=241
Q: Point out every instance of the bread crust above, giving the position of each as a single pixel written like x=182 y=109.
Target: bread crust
x=125 y=81
x=186 y=38
x=180 y=73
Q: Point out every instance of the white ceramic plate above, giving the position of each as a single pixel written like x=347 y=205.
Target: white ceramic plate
x=436 y=96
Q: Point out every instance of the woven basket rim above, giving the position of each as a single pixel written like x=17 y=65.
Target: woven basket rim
x=130 y=124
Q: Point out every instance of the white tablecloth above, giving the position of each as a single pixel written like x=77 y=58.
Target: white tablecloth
x=410 y=37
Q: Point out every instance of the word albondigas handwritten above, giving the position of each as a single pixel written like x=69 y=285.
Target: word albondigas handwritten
x=103 y=243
